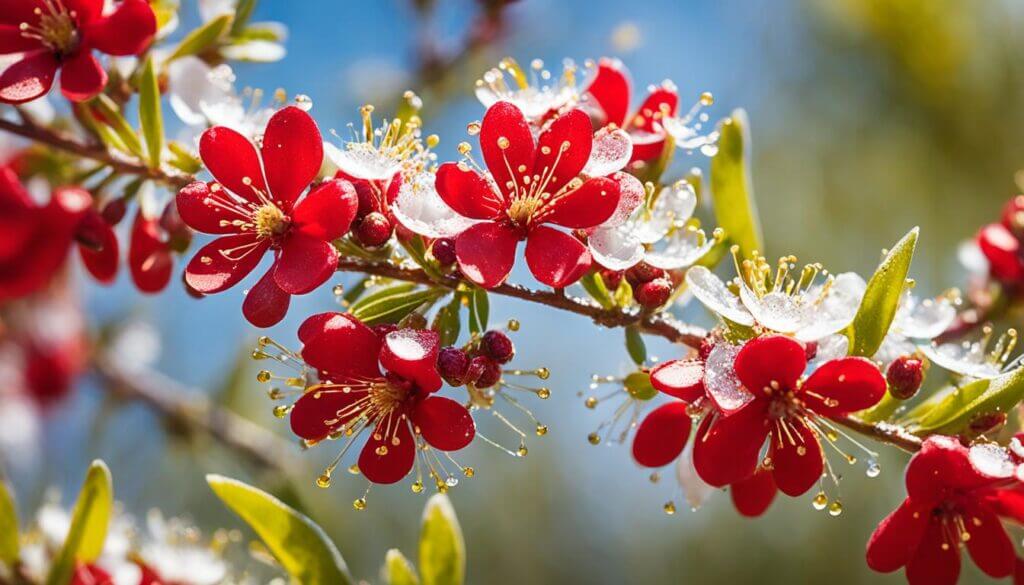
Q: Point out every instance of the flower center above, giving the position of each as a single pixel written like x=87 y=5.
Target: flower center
x=269 y=220
x=56 y=28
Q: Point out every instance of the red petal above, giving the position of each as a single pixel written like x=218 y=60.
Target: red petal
x=101 y=262
x=486 y=252
x=556 y=258
x=293 y=152
x=85 y=10
x=897 y=538
x=28 y=78
x=933 y=565
x=589 y=205
x=412 y=354
x=504 y=124
x=728 y=449
x=753 y=496
x=212 y=270
x=1008 y=502
x=659 y=103
x=646 y=146
x=1002 y=249
x=941 y=466
x=12 y=41
x=82 y=77
x=444 y=423
x=345 y=348
x=771 y=358
x=305 y=263
x=232 y=160
x=314 y=325
x=18 y=11
x=610 y=89
x=203 y=209
x=844 y=385
x=563 y=150
x=266 y=304
x=313 y=411
x=149 y=259
x=989 y=545
x=468 y=192
x=126 y=31
x=661 y=436
x=797 y=461
x=399 y=450
x=683 y=379
x=327 y=211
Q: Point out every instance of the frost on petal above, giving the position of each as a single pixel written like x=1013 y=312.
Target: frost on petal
x=695 y=489
x=615 y=248
x=836 y=309
x=720 y=379
x=967 y=358
x=829 y=348
x=776 y=310
x=611 y=152
x=255 y=51
x=419 y=208
x=992 y=460
x=363 y=161
x=716 y=296
x=681 y=249
x=688 y=138
x=631 y=196
x=674 y=206
x=925 y=319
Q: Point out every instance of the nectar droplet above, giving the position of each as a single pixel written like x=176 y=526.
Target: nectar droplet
x=359 y=504
x=835 y=508
x=542 y=430
x=594 y=438
x=670 y=508
x=820 y=501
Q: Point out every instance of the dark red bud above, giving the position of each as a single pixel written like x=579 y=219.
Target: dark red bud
x=483 y=371
x=987 y=423
x=706 y=345
x=904 y=376
x=444 y=251
x=373 y=230
x=452 y=364
x=114 y=211
x=654 y=293
x=497 y=346
x=611 y=278
x=642 y=273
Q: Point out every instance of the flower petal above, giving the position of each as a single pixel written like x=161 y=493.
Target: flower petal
x=681 y=249
x=320 y=412
x=615 y=248
x=661 y=436
x=695 y=489
x=556 y=258
x=924 y=319
x=611 y=91
x=728 y=448
x=591 y=204
x=327 y=211
x=223 y=262
x=611 y=152
x=266 y=304
x=412 y=354
x=897 y=537
x=315 y=325
x=126 y=31
x=82 y=77
x=13 y=41
x=387 y=458
x=844 y=385
x=683 y=379
x=343 y=348
x=935 y=562
x=202 y=209
x=716 y=296
x=768 y=359
x=721 y=383
x=444 y=423
x=797 y=460
x=468 y=192
x=422 y=210
x=941 y=466
x=835 y=311
x=149 y=258
x=304 y=264
x=507 y=145
x=752 y=496
x=28 y=78
x=1000 y=247
x=631 y=197
x=100 y=260
x=661 y=102
x=563 y=149
x=486 y=253
x=233 y=161
x=989 y=545
x=292 y=152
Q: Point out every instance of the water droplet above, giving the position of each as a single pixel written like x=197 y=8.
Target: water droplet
x=835 y=508
x=820 y=501
x=591 y=402
x=543 y=373
x=469 y=472
x=513 y=325
x=473 y=128
x=263 y=376
x=303 y=102
x=544 y=393
x=874 y=470
x=282 y=410
x=523 y=451
x=670 y=508
x=324 y=481
x=359 y=504
x=417 y=487
x=542 y=430
x=594 y=438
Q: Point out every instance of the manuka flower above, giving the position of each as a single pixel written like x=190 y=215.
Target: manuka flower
x=538 y=95
x=204 y=96
x=956 y=496
x=972 y=357
x=61 y=34
x=532 y=185
x=379 y=385
x=252 y=206
x=766 y=397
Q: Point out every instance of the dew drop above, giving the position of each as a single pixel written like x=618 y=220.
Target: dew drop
x=874 y=470
x=670 y=508
x=303 y=102
x=324 y=481
x=820 y=501
x=542 y=430
x=835 y=508
x=359 y=504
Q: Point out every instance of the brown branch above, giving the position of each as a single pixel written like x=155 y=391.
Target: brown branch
x=883 y=433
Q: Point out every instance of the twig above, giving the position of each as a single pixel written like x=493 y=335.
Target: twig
x=882 y=432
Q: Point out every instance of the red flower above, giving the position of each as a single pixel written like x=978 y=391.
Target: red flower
x=535 y=183
x=61 y=34
x=955 y=497
x=773 y=402
x=1003 y=251
x=90 y=575
x=252 y=206
x=37 y=238
x=380 y=384
x=149 y=254
x=611 y=92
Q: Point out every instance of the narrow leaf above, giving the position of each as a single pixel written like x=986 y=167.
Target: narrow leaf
x=8 y=526
x=442 y=549
x=731 y=191
x=596 y=288
x=111 y=115
x=980 y=397
x=202 y=38
x=447 y=322
x=482 y=307
x=150 y=117
x=299 y=545
x=89 y=522
x=243 y=12
x=635 y=345
x=398 y=570
x=391 y=305
x=882 y=298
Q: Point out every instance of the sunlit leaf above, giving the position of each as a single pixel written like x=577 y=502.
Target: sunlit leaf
x=298 y=544
x=882 y=298
x=442 y=548
x=398 y=570
x=8 y=526
x=150 y=117
x=111 y=116
x=731 y=190
x=447 y=322
x=202 y=38
x=956 y=411
x=635 y=345
x=89 y=521
x=479 y=310
x=391 y=304
x=596 y=288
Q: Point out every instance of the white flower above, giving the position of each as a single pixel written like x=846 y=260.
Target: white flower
x=973 y=358
x=686 y=130
x=536 y=95
x=916 y=322
x=419 y=208
x=377 y=154
x=178 y=558
x=657 y=234
x=205 y=96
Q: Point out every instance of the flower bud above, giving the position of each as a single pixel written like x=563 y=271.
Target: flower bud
x=706 y=345
x=811 y=350
x=483 y=372
x=114 y=211
x=452 y=364
x=611 y=278
x=497 y=346
x=987 y=423
x=654 y=293
x=904 y=376
x=374 y=230
x=642 y=273
x=444 y=251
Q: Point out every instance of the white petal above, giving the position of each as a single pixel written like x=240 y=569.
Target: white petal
x=256 y=51
x=713 y=294
x=611 y=152
x=673 y=206
x=720 y=379
x=615 y=248
x=190 y=86
x=837 y=310
x=696 y=491
x=631 y=196
x=893 y=346
x=925 y=319
x=829 y=348
x=210 y=9
x=965 y=358
x=992 y=460
x=421 y=209
x=776 y=311
x=681 y=249
x=360 y=160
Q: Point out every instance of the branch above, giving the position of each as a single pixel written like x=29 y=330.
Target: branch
x=882 y=432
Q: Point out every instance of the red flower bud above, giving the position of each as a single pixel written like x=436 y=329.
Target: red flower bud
x=706 y=345
x=374 y=230
x=654 y=293
x=383 y=329
x=444 y=251
x=611 y=278
x=987 y=423
x=114 y=211
x=452 y=364
x=904 y=376
x=483 y=371
x=642 y=273
x=497 y=346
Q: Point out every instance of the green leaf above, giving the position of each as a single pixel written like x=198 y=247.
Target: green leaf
x=447 y=322
x=298 y=544
x=639 y=386
x=183 y=159
x=960 y=407
x=89 y=522
x=442 y=549
x=882 y=298
x=8 y=526
x=479 y=310
x=150 y=117
x=243 y=12
x=635 y=345
x=202 y=38
x=731 y=191
x=393 y=303
x=113 y=118
x=882 y=411
x=596 y=288
x=398 y=570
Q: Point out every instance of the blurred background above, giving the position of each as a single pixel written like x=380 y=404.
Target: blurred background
x=868 y=117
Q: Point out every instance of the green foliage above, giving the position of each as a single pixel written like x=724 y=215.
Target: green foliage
x=398 y=570
x=882 y=298
x=596 y=288
x=639 y=386
x=447 y=322
x=8 y=526
x=731 y=190
x=111 y=114
x=89 y=522
x=442 y=548
x=298 y=544
x=203 y=38
x=479 y=310
x=150 y=117
x=635 y=345
x=959 y=407
x=391 y=304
